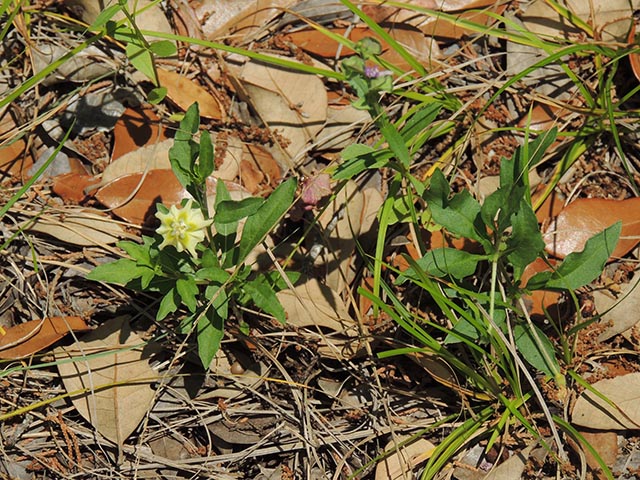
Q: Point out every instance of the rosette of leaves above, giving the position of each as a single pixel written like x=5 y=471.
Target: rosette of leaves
x=209 y=283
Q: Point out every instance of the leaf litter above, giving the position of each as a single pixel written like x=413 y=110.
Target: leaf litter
x=261 y=396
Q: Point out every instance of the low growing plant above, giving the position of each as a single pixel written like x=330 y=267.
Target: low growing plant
x=197 y=259
x=504 y=351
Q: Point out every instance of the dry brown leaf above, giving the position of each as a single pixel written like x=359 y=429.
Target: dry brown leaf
x=34 y=336
x=292 y=103
x=317 y=43
x=618 y=314
x=406 y=458
x=324 y=315
x=513 y=467
x=590 y=411
x=109 y=378
x=88 y=64
x=471 y=10
x=78 y=226
x=585 y=217
x=183 y=92
x=342 y=123
x=611 y=18
x=238 y=17
x=71 y=187
x=154 y=156
x=14 y=157
x=137 y=128
x=634 y=58
x=550 y=208
x=133 y=197
x=540 y=300
x=606 y=444
x=442 y=373
x=544 y=117
x=341 y=222
x=153 y=18
x=259 y=172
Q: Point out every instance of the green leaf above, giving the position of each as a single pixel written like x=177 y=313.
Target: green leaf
x=225 y=238
x=139 y=252
x=266 y=217
x=168 y=304
x=141 y=58
x=460 y=215
x=157 y=95
x=210 y=328
x=210 y=331
x=183 y=153
x=206 y=163
x=525 y=243
x=580 y=268
x=265 y=299
x=104 y=16
x=188 y=291
x=163 y=48
x=526 y=156
x=444 y=261
x=420 y=120
x=213 y=274
x=536 y=348
x=275 y=280
x=357 y=158
x=120 y=272
x=209 y=259
x=368 y=47
x=231 y=211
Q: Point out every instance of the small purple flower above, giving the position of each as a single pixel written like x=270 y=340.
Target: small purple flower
x=374 y=72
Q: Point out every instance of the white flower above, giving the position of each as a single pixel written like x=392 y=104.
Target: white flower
x=182 y=227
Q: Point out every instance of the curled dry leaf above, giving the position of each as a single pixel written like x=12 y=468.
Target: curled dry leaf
x=292 y=103
x=183 y=92
x=324 y=315
x=406 y=458
x=618 y=314
x=611 y=19
x=237 y=17
x=14 y=157
x=471 y=10
x=512 y=467
x=78 y=226
x=343 y=121
x=152 y=20
x=133 y=197
x=623 y=392
x=585 y=217
x=259 y=171
x=71 y=187
x=540 y=300
x=154 y=156
x=424 y=49
x=88 y=64
x=634 y=58
x=137 y=128
x=34 y=336
x=351 y=214
x=109 y=378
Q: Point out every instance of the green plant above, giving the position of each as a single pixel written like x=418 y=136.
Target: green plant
x=489 y=325
x=198 y=259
